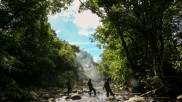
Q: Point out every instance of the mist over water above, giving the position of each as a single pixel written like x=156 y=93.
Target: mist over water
x=88 y=68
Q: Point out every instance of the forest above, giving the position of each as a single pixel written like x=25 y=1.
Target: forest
x=141 y=40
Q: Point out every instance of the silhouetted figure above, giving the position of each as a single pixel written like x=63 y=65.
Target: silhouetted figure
x=69 y=88
x=91 y=87
x=107 y=88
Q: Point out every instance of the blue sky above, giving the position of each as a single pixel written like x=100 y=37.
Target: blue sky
x=76 y=28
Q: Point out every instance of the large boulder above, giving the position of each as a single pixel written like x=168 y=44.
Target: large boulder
x=136 y=99
x=75 y=96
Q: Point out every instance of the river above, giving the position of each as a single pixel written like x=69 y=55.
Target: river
x=123 y=96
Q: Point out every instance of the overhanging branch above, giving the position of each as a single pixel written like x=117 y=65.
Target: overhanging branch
x=93 y=10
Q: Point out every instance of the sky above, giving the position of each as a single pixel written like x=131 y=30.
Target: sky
x=76 y=28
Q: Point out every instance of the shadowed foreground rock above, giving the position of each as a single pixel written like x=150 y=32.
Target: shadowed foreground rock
x=75 y=96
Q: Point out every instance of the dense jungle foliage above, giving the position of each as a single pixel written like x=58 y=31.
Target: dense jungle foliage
x=142 y=41
x=30 y=53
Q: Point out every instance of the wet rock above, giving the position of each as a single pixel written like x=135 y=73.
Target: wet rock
x=51 y=100
x=98 y=92
x=110 y=99
x=75 y=97
x=80 y=92
x=136 y=99
x=85 y=90
x=118 y=100
x=75 y=91
x=34 y=95
x=68 y=97
x=179 y=97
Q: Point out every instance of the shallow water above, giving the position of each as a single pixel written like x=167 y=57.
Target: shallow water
x=101 y=97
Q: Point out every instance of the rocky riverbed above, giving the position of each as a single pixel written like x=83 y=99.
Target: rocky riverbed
x=81 y=95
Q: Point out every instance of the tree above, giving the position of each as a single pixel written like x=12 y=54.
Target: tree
x=31 y=54
x=145 y=29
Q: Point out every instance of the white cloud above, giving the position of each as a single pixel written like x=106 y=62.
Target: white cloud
x=72 y=10
x=86 y=19
x=85 y=32
x=74 y=6
x=58 y=31
x=86 y=22
x=65 y=15
x=68 y=13
x=80 y=43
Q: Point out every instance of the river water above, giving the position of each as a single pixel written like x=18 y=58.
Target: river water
x=100 y=97
x=122 y=96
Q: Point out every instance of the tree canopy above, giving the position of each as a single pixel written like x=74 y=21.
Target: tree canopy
x=142 y=40
x=30 y=53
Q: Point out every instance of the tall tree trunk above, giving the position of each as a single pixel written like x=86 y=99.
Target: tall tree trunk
x=120 y=32
x=157 y=57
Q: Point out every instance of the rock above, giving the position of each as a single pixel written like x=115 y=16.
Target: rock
x=61 y=95
x=179 y=97
x=34 y=95
x=75 y=97
x=118 y=100
x=136 y=99
x=85 y=90
x=67 y=97
x=111 y=99
x=51 y=99
x=56 y=96
x=75 y=91
x=45 y=96
x=98 y=92
x=79 y=92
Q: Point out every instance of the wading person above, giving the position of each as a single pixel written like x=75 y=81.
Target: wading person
x=108 y=89
x=69 y=88
x=91 y=88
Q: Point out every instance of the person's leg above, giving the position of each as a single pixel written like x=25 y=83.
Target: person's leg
x=68 y=91
x=90 y=91
x=107 y=93
x=94 y=91
x=111 y=92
